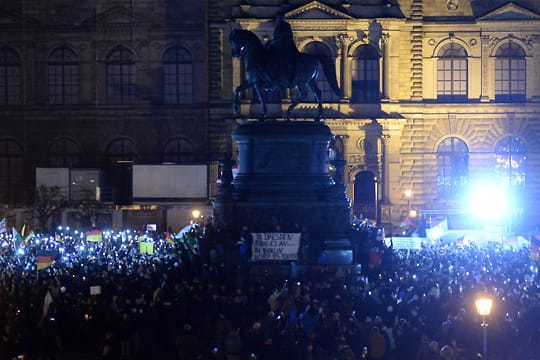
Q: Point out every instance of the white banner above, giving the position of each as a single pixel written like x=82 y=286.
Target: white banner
x=413 y=243
x=275 y=246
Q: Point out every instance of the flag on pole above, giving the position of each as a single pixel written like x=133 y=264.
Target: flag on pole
x=169 y=238
x=146 y=248
x=3 y=228
x=535 y=247
x=94 y=236
x=58 y=238
x=17 y=238
x=28 y=237
x=47 y=301
x=45 y=259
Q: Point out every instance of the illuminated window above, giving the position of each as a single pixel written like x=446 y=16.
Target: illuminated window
x=10 y=77
x=452 y=73
x=177 y=76
x=328 y=95
x=64 y=152
x=63 y=77
x=510 y=161
x=178 y=150
x=11 y=169
x=365 y=75
x=121 y=87
x=510 y=73
x=452 y=167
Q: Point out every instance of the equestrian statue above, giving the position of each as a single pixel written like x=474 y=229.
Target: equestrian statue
x=279 y=65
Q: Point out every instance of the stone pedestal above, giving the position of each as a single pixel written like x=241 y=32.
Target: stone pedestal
x=283 y=185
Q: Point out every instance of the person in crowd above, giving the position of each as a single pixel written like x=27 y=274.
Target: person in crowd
x=109 y=300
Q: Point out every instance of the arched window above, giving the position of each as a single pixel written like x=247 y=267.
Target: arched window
x=510 y=73
x=10 y=77
x=510 y=161
x=11 y=169
x=328 y=95
x=452 y=167
x=63 y=77
x=365 y=75
x=452 y=73
x=64 y=152
x=121 y=87
x=178 y=150
x=120 y=150
x=177 y=76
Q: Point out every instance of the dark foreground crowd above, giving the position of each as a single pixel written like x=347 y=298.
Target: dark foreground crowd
x=111 y=302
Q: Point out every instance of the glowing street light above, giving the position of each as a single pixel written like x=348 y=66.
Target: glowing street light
x=195 y=213
x=408 y=194
x=483 y=306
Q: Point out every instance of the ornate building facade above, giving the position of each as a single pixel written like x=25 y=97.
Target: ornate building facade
x=99 y=85
x=441 y=98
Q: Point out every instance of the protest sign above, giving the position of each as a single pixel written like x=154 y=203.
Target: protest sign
x=408 y=243
x=275 y=246
x=95 y=290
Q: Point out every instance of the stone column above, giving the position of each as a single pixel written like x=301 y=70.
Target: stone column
x=484 y=94
x=342 y=41
x=385 y=65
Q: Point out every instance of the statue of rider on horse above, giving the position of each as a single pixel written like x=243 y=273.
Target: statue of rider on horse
x=282 y=52
x=279 y=65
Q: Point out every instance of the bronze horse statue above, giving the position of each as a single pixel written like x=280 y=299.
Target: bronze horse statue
x=264 y=74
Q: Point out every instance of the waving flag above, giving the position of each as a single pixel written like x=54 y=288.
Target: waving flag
x=45 y=259
x=17 y=238
x=3 y=228
x=58 y=238
x=169 y=238
x=94 y=236
x=535 y=247
x=146 y=248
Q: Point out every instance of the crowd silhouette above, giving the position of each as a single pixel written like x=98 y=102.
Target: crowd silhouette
x=200 y=301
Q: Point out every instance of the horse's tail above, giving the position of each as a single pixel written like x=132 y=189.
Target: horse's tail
x=330 y=72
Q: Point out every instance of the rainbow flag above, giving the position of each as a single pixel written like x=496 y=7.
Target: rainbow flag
x=94 y=236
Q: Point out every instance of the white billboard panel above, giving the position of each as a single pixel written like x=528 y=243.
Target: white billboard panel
x=170 y=181
x=53 y=177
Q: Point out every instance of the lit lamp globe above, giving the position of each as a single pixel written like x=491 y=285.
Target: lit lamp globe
x=196 y=213
x=483 y=306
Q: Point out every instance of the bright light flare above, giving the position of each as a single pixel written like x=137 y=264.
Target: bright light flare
x=488 y=202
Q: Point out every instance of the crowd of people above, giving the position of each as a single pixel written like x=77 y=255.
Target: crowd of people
x=195 y=301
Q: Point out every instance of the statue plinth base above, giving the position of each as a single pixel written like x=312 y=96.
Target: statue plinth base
x=283 y=185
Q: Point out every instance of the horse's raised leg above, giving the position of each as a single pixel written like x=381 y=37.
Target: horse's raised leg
x=296 y=100
x=236 y=103
x=312 y=86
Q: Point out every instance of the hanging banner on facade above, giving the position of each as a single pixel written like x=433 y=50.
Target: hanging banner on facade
x=275 y=246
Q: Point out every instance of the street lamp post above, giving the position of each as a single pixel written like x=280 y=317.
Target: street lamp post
x=483 y=306
x=408 y=194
